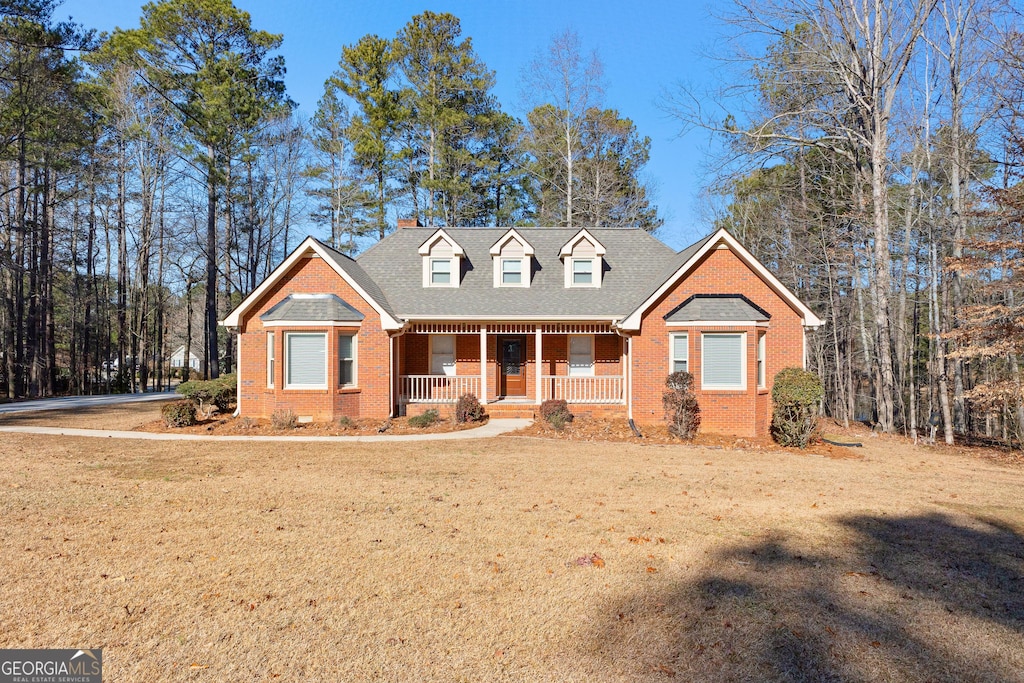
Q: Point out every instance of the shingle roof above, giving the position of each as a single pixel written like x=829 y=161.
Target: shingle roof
x=631 y=259
x=723 y=307
x=362 y=278
x=312 y=307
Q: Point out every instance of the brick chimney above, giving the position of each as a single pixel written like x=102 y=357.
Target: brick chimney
x=409 y=223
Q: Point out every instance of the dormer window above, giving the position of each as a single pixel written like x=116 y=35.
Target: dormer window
x=582 y=272
x=511 y=271
x=584 y=262
x=441 y=271
x=513 y=260
x=442 y=260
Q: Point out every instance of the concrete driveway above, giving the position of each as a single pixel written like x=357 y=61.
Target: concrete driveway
x=75 y=402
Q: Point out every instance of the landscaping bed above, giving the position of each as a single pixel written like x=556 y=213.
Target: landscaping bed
x=584 y=428
x=221 y=425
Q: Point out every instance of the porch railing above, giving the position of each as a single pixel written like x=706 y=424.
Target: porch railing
x=599 y=389
x=437 y=388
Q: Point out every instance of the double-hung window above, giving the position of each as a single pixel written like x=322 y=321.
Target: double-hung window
x=680 y=353
x=581 y=356
x=511 y=271
x=762 y=378
x=440 y=271
x=724 y=360
x=271 y=352
x=582 y=271
x=347 y=360
x=306 y=360
x=442 y=354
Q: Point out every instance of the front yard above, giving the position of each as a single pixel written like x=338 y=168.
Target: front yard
x=513 y=559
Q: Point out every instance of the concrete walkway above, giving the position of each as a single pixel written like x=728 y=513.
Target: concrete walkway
x=494 y=427
x=78 y=402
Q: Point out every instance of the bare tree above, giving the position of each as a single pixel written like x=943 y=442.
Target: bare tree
x=571 y=83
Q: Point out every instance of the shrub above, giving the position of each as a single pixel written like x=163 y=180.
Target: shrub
x=468 y=409
x=218 y=392
x=345 y=422
x=284 y=419
x=682 y=412
x=179 y=414
x=795 y=397
x=424 y=420
x=556 y=413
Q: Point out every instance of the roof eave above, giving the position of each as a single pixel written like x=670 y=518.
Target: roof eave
x=632 y=321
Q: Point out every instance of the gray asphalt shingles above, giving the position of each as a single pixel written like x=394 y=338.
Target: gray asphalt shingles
x=632 y=261
x=309 y=308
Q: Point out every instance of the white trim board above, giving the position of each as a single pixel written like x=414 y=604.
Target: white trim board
x=722 y=238
x=309 y=245
x=312 y=323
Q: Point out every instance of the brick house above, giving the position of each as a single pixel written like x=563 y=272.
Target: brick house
x=596 y=316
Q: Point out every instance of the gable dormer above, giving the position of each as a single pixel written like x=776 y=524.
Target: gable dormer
x=583 y=257
x=442 y=260
x=513 y=260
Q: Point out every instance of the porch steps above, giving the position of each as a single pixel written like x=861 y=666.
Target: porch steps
x=520 y=410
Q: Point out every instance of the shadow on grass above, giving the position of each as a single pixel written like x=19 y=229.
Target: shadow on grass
x=920 y=598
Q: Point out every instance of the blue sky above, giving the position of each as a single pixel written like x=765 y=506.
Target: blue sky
x=645 y=47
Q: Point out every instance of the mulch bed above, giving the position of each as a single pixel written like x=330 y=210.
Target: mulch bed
x=585 y=428
x=243 y=426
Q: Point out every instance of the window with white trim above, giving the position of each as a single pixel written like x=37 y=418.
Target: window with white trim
x=442 y=354
x=581 y=355
x=305 y=360
x=347 y=359
x=511 y=271
x=762 y=378
x=679 y=353
x=582 y=272
x=440 y=271
x=723 y=360
x=270 y=359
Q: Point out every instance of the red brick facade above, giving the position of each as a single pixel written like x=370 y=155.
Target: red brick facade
x=370 y=396
x=744 y=413
x=377 y=389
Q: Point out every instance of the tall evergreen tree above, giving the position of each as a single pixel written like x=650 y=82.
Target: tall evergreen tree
x=205 y=58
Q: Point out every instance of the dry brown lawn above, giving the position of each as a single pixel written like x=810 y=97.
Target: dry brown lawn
x=512 y=559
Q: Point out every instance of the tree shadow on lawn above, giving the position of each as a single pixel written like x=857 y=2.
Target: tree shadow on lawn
x=920 y=598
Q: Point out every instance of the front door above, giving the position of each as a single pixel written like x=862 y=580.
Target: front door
x=513 y=366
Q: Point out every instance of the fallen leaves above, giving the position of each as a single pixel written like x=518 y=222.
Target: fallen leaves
x=592 y=560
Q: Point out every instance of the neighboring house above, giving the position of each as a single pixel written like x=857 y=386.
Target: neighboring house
x=597 y=316
x=178 y=359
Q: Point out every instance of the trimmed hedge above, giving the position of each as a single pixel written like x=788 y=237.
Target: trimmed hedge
x=468 y=409
x=795 y=397
x=556 y=413
x=682 y=412
x=179 y=414
x=219 y=392
x=425 y=419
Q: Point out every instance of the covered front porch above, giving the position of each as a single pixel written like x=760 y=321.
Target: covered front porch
x=582 y=363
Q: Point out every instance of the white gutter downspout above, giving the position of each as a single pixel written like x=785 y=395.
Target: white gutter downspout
x=238 y=376
x=391 y=369
x=391 y=376
x=628 y=371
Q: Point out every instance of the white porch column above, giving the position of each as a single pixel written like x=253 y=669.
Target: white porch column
x=483 y=364
x=537 y=351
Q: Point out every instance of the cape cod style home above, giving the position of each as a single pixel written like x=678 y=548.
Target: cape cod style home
x=596 y=316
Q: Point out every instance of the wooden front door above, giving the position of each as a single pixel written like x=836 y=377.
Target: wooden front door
x=512 y=366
